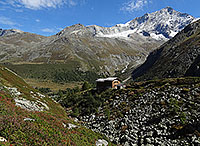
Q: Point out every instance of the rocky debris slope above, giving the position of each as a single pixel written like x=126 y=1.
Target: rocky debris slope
x=177 y=57
x=167 y=114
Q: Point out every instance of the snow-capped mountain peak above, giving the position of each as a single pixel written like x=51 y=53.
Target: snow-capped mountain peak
x=161 y=25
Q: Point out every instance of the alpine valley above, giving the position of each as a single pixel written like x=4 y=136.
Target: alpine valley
x=161 y=106
x=87 y=52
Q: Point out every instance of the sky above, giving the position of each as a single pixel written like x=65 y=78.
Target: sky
x=48 y=17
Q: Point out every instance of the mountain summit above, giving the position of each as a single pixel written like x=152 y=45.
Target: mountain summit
x=160 y=25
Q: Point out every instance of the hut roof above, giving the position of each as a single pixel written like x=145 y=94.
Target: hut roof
x=106 y=79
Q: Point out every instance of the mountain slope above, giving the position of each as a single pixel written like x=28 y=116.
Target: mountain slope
x=97 y=50
x=29 y=118
x=177 y=57
x=97 y=54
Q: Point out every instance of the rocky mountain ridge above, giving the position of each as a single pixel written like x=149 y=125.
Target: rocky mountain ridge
x=160 y=25
x=177 y=57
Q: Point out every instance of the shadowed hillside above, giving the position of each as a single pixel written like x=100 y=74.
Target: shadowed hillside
x=177 y=57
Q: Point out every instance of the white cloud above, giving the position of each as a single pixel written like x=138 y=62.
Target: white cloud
x=135 y=5
x=3 y=3
x=37 y=20
x=72 y=3
x=7 y=21
x=39 y=4
x=49 y=30
x=59 y=29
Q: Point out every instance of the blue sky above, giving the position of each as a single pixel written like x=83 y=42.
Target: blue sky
x=47 y=17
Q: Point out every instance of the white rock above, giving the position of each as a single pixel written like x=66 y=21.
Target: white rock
x=29 y=119
x=2 y=139
x=13 y=91
x=75 y=120
x=70 y=126
x=40 y=95
x=148 y=140
x=30 y=105
x=101 y=142
x=64 y=125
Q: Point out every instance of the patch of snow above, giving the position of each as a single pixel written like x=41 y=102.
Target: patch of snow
x=195 y=20
x=172 y=34
x=125 y=68
x=101 y=142
x=157 y=37
x=158 y=22
x=123 y=25
x=17 y=30
x=123 y=34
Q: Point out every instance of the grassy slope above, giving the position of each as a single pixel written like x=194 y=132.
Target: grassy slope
x=55 y=87
x=47 y=129
x=60 y=73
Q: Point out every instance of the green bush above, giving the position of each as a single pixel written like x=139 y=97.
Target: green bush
x=107 y=113
x=86 y=86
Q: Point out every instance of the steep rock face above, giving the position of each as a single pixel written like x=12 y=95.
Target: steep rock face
x=177 y=57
